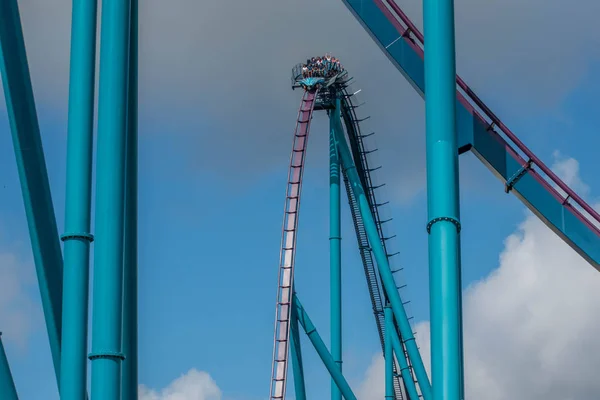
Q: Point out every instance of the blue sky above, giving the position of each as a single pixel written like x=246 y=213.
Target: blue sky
x=210 y=217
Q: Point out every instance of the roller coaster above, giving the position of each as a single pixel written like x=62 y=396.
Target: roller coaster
x=478 y=130
x=334 y=96
x=458 y=121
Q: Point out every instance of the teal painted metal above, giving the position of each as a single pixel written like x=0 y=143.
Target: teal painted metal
x=77 y=237
x=8 y=390
x=407 y=376
x=335 y=252
x=296 y=353
x=129 y=372
x=460 y=309
x=474 y=133
x=443 y=201
x=321 y=349
x=389 y=352
x=31 y=165
x=382 y=261
x=544 y=201
x=107 y=316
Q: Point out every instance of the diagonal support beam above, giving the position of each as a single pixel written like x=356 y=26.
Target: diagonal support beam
x=321 y=349
x=31 y=165
x=383 y=266
x=8 y=390
x=296 y=353
x=389 y=353
x=407 y=376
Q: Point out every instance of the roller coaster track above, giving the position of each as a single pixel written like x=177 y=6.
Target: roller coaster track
x=290 y=228
x=482 y=132
x=479 y=130
x=288 y=247
x=361 y=159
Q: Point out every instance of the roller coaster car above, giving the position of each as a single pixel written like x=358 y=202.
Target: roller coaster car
x=314 y=82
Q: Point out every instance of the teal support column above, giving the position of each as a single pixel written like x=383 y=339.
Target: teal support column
x=296 y=353
x=407 y=377
x=31 y=165
x=130 y=259
x=8 y=390
x=77 y=236
x=335 y=253
x=107 y=318
x=383 y=266
x=321 y=349
x=443 y=200
x=389 y=353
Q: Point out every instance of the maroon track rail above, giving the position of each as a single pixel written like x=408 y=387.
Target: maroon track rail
x=493 y=118
x=287 y=255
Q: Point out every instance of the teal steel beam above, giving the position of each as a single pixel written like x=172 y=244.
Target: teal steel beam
x=389 y=352
x=107 y=318
x=8 y=390
x=443 y=200
x=33 y=175
x=296 y=353
x=335 y=252
x=77 y=236
x=407 y=376
x=573 y=220
x=129 y=387
x=383 y=266
x=321 y=349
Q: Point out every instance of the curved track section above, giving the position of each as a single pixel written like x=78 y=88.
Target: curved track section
x=285 y=281
x=290 y=228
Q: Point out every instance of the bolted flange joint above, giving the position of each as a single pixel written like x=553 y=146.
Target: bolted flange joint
x=77 y=236
x=440 y=219
x=114 y=355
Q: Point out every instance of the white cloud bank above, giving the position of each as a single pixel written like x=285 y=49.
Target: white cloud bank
x=531 y=326
x=194 y=385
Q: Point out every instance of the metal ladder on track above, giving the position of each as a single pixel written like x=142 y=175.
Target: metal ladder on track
x=377 y=293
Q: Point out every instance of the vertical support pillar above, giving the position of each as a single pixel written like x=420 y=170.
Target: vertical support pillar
x=407 y=376
x=296 y=353
x=33 y=175
x=321 y=349
x=335 y=253
x=130 y=259
x=443 y=199
x=8 y=390
x=380 y=256
x=389 y=353
x=77 y=236
x=107 y=316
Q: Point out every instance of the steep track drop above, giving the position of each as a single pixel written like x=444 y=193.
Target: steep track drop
x=285 y=289
x=288 y=247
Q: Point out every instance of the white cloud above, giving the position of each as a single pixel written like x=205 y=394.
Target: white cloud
x=531 y=326
x=194 y=385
